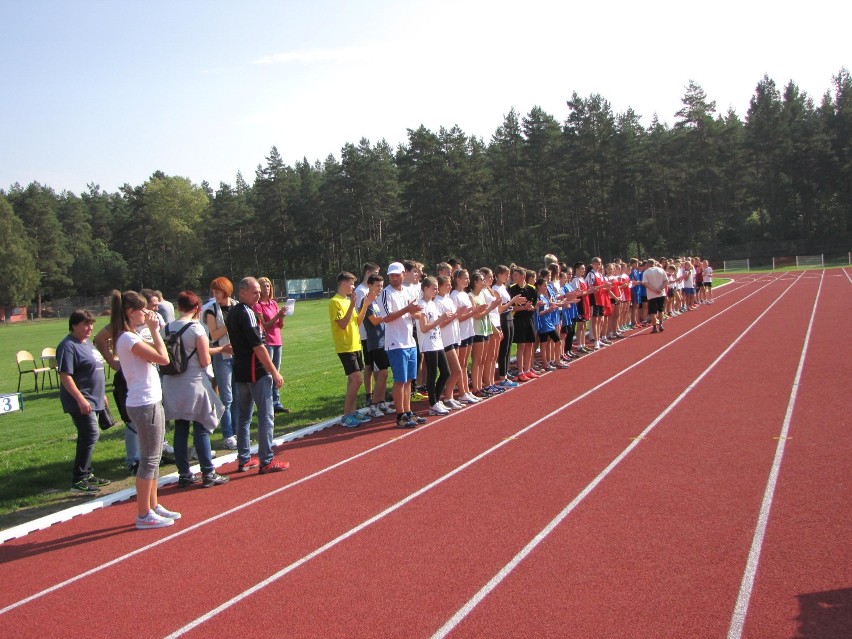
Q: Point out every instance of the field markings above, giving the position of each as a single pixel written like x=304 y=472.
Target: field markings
x=738 y=618
x=399 y=504
x=318 y=473
x=504 y=572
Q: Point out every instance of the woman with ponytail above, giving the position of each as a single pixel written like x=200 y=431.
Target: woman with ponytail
x=128 y=313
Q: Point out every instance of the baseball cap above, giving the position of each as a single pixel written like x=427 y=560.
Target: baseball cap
x=395 y=268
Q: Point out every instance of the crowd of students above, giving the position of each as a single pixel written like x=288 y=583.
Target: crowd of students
x=446 y=338
x=450 y=336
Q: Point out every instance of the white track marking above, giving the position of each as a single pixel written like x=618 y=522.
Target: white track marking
x=138 y=551
x=352 y=531
x=735 y=630
x=504 y=572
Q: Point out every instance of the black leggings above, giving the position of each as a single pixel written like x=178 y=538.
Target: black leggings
x=507 y=325
x=569 y=337
x=435 y=361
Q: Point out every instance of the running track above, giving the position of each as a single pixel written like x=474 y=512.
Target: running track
x=689 y=484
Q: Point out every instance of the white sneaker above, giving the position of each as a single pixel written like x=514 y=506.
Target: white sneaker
x=443 y=405
x=387 y=410
x=452 y=403
x=470 y=398
x=153 y=520
x=375 y=411
x=230 y=442
x=168 y=448
x=438 y=409
x=165 y=512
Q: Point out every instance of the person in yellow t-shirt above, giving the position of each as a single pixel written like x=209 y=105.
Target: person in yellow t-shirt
x=347 y=342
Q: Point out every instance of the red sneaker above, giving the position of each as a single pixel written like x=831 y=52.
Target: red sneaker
x=248 y=465
x=523 y=378
x=532 y=374
x=274 y=467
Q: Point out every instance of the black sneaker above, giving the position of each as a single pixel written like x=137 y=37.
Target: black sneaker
x=83 y=487
x=97 y=481
x=214 y=479
x=406 y=421
x=133 y=469
x=187 y=480
x=654 y=330
x=661 y=328
x=417 y=418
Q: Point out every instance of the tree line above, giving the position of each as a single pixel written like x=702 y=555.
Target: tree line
x=597 y=183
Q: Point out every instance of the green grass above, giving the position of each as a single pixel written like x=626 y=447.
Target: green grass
x=37 y=445
x=781 y=269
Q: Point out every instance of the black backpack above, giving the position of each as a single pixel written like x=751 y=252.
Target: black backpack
x=178 y=359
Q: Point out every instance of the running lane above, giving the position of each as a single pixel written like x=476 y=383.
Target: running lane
x=658 y=548
x=803 y=585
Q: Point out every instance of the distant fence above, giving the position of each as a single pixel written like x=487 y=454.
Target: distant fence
x=820 y=260
x=301 y=289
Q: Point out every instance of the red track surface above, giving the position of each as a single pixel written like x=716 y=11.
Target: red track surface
x=647 y=538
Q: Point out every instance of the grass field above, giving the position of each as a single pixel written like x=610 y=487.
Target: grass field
x=37 y=445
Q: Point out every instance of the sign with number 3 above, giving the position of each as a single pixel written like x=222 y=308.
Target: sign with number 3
x=12 y=402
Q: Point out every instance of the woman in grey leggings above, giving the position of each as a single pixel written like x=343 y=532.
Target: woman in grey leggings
x=144 y=397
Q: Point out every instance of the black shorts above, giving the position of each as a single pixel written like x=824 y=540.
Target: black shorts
x=478 y=339
x=597 y=311
x=450 y=347
x=656 y=305
x=352 y=362
x=707 y=284
x=524 y=332
x=467 y=341
x=368 y=355
x=549 y=335
x=379 y=359
x=670 y=292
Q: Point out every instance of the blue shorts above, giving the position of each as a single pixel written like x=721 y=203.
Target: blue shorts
x=403 y=363
x=638 y=297
x=689 y=291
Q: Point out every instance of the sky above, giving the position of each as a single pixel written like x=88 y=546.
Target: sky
x=108 y=92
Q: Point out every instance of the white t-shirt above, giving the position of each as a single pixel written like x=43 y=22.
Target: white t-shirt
x=708 y=274
x=655 y=277
x=689 y=282
x=493 y=314
x=398 y=332
x=462 y=300
x=360 y=293
x=143 y=380
x=450 y=332
x=433 y=340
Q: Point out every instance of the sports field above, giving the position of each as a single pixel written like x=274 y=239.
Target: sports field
x=693 y=483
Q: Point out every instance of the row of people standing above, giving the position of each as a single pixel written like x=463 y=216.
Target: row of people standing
x=133 y=345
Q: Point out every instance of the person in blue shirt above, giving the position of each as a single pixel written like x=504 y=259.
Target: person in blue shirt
x=546 y=318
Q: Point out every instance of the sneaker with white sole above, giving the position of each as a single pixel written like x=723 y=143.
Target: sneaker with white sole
x=438 y=409
x=383 y=406
x=452 y=403
x=350 y=421
x=162 y=511
x=375 y=411
x=153 y=520
x=470 y=398
x=230 y=443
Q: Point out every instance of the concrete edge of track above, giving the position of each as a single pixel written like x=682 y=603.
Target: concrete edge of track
x=41 y=523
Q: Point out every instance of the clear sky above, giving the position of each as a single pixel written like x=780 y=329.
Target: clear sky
x=111 y=91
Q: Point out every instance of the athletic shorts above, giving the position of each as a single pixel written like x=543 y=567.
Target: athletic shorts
x=597 y=311
x=637 y=298
x=656 y=305
x=524 y=333
x=467 y=341
x=403 y=363
x=379 y=359
x=479 y=339
x=689 y=291
x=549 y=335
x=707 y=284
x=450 y=347
x=352 y=362
x=368 y=354
x=670 y=292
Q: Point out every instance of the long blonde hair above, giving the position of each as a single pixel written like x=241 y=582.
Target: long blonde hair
x=266 y=280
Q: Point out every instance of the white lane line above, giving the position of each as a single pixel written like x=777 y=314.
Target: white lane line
x=352 y=531
x=117 y=560
x=735 y=630
x=504 y=572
